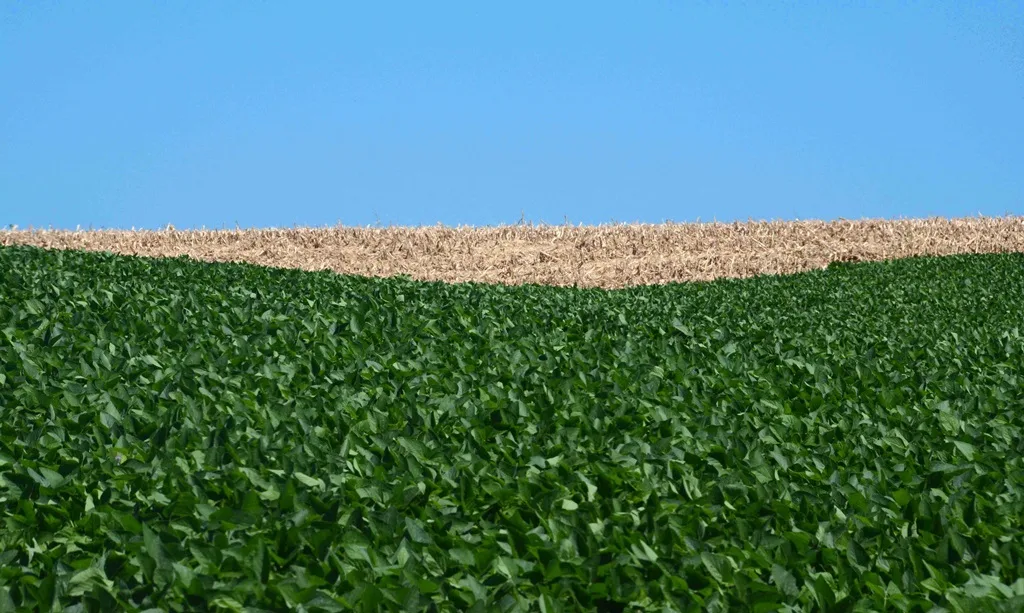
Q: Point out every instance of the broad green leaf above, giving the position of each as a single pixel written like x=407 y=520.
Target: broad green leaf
x=966 y=449
x=310 y=481
x=416 y=530
x=716 y=565
x=784 y=580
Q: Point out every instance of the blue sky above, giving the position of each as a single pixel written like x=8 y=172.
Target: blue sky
x=121 y=114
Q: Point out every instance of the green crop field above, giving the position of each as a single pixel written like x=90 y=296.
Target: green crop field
x=182 y=436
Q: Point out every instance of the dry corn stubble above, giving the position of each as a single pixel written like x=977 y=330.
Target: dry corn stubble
x=607 y=256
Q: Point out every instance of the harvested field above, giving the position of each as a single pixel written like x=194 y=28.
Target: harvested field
x=608 y=256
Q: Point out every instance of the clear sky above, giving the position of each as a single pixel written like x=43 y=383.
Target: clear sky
x=121 y=114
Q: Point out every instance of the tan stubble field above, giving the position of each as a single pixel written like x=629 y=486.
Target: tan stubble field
x=607 y=256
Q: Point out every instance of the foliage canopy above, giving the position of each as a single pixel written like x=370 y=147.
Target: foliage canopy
x=183 y=436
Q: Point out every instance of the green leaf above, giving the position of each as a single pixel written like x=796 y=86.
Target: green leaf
x=902 y=497
x=649 y=553
x=856 y=555
x=966 y=449
x=417 y=531
x=47 y=477
x=86 y=580
x=716 y=565
x=6 y=602
x=462 y=556
x=784 y=580
x=310 y=481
